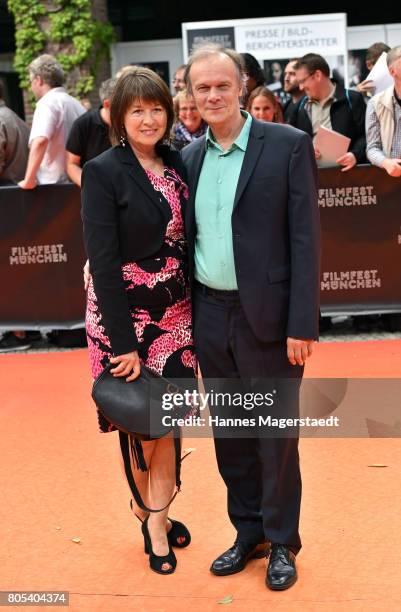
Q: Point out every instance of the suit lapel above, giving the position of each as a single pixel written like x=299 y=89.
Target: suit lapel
x=193 y=180
x=252 y=153
x=138 y=174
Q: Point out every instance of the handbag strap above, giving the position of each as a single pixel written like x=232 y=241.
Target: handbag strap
x=124 y=445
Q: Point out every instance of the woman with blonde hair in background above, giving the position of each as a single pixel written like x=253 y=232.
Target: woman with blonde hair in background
x=188 y=125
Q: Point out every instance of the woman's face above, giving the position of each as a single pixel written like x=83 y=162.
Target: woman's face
x=189 y=115
x=263 y=109
x=276 y=71
x=145 y=123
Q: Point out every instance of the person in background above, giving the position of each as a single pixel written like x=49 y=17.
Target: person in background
x=328 y=104
x=372 y=55
x=89 y=135
x=263 y=105
x=124 y=70
x=291 y=88
x=188 y=123
x=178 y=80
x=54 y=115
x=383 y=121
x=14 y=137
x=253 y=74
x=276 y=72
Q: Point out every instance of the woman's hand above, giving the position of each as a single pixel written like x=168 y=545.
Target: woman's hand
x=87 y=275
x=126 y=365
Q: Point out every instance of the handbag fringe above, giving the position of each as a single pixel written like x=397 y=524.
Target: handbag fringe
x=137 y=454
x=127 y=442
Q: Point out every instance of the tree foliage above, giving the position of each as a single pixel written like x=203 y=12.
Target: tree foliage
x=66 y=29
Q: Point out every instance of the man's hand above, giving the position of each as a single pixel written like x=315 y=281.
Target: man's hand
x=27 y=184
x=392 y=166
x=87 y=275
x=298 y=350
x=366 y=87
x=37 y=152
x=348 y=161
x=318 y=155
x=125 y=365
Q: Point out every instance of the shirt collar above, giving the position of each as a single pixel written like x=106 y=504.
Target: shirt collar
x=240 y=142
x=51 y=91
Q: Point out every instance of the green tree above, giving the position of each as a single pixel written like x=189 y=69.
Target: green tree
x=76 y=32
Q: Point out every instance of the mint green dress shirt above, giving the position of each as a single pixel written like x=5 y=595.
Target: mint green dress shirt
x=214 y=201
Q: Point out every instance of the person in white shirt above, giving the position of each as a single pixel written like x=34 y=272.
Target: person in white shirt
x=383 y=121
x=54 y=115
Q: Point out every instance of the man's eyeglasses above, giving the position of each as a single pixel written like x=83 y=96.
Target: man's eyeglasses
x=303 y=81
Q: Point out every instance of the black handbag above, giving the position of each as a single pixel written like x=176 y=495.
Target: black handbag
x=136 y=410
x=136 y=407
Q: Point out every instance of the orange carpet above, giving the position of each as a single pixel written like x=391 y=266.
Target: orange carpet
x=61 y=480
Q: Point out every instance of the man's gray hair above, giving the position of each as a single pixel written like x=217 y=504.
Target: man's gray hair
x=48 y=69
x=211 y=49
x=393 y=55
x=106 y=89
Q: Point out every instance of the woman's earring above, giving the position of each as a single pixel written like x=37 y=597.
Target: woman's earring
x=123 y=139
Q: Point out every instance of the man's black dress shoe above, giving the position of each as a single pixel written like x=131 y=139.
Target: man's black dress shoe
x=235 y=558
x=281 y=572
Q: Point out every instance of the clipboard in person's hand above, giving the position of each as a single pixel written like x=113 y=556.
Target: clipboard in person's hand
x=331 y=146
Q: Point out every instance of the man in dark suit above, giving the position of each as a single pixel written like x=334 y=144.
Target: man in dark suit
x=326 y=103
x=253 y=238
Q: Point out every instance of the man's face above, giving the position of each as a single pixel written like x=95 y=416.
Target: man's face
x=178 y=81
x=216 y=88
x=310 y=82
x=395 y=70
x=290 y=78
x=369 y=64
x=36 y=86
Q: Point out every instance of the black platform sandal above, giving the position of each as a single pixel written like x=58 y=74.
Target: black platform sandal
x=178 y=536
x=156 y=562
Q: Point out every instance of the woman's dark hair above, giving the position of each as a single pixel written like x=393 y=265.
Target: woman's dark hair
x=264 y=91
x=253 y=69
x=138 y=84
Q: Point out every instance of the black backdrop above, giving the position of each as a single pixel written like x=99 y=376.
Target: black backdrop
x=42 y=254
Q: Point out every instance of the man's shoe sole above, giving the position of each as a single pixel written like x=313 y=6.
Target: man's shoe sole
x=259 y=554
x=284 y=587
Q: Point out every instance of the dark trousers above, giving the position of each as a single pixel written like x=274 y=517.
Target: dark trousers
x=261 y=473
